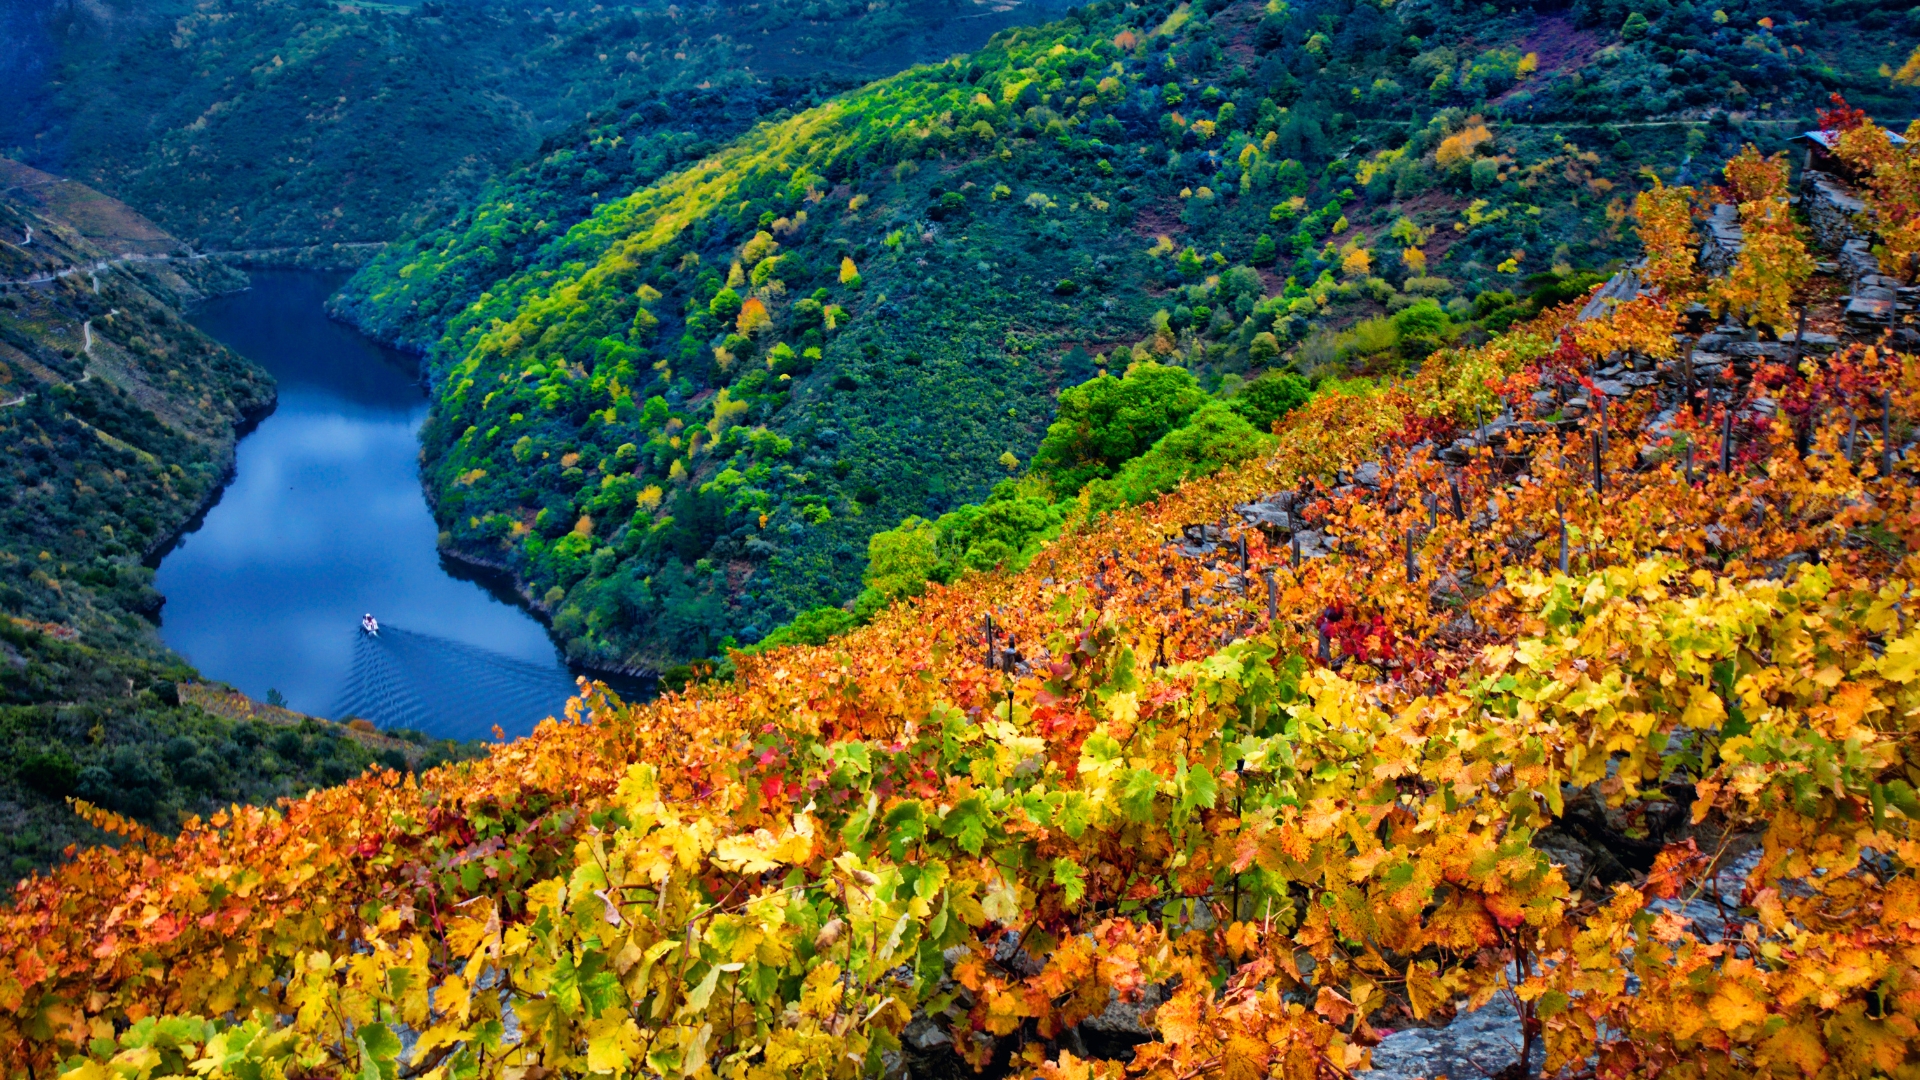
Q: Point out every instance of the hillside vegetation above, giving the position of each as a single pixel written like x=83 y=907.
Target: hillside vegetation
x=307 y=123
x=1572 y=670
x=681 y=421
x=117 y=425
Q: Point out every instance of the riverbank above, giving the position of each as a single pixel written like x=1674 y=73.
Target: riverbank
x=120 y=434
x=224 y=701
x=500 y=579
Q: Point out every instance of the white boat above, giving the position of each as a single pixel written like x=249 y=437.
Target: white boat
x=369 y=625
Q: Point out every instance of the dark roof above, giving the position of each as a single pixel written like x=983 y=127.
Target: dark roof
x=1826 y=138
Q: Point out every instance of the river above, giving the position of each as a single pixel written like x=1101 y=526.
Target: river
x=325 y=520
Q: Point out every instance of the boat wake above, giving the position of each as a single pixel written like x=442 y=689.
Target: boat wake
x=446 y=688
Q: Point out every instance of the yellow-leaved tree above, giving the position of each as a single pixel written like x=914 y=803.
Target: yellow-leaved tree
x=1773 y=260
x=1666 y=230
x=1890 y=178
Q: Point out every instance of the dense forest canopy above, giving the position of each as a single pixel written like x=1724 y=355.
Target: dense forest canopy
x=278 y=124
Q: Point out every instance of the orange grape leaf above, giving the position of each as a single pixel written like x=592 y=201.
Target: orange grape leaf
x=1333 y=1005
x=1675 y=864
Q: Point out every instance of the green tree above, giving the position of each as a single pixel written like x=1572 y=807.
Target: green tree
x=1270 y=397
x=1423 y=328
x=1105 y=422
x=1007 y=529
x=1241 y=281
x=812 y=627
x=1264 y=349
x=725 y=305
x=1217 y=435
x=900 y=559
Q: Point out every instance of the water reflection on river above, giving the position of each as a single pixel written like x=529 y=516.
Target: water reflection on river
x=324 y=520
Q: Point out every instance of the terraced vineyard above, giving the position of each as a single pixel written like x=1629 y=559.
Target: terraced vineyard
x=1575 y=670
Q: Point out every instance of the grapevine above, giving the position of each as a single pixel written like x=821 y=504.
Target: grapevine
x=1276 y=795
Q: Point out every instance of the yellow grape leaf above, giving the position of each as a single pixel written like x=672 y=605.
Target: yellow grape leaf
x=1873 y=1046
x=467 y=934
x=1067 y=1068
x=652 y=956
x=701 y=994
x=453 y=998
x=1424 y=990
x=435 y=1037
x=1002 y=903
x=696 y=1056
x=1734 y=1005
x=1003 y=1011
x=1902 y=661
x=1704 y=709
x=612 y=1047
x=755 y=853
x=1797 y=1044
x=821 y=991
x=1243 y=1058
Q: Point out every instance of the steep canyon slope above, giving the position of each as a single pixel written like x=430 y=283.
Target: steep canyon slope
x=296 y=128
x=117 y=425
x=679 y=422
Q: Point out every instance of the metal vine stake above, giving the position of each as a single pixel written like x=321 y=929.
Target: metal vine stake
x=1886 y=433
x=1560 y=506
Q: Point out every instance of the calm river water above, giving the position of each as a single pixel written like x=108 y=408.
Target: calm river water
x=325 y=520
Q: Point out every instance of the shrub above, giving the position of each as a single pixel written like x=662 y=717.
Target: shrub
x=1423 y=327
x=1270 y=397
x=899 y=559
x=1006 y=530
x=1106 y=421
x=724 y=306
x=812 y=627
x=50 y=772
x=1217 y=435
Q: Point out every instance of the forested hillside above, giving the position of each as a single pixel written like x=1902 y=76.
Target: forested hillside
x=117 y=425
x=290 y=124
x=1566 y=686
x=679 y=422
